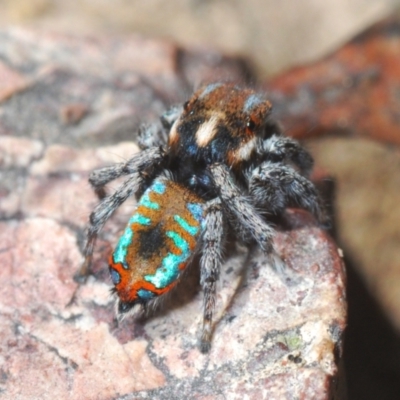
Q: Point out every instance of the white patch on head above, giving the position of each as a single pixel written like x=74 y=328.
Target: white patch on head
x=244 y=152
x=206 y=131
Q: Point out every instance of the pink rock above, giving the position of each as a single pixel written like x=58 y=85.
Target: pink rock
x=277 y=333
x=10 y=82
x=19 y=152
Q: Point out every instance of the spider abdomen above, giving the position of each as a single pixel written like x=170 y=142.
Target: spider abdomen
x=157 y=244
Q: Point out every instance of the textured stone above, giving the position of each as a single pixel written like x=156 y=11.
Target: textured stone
x=16 y=155
x=18 y=152
x=60 y=159
x=10 y=82
x=277 y=334
x=73 y=113
x=89 y=90
x=56 y=349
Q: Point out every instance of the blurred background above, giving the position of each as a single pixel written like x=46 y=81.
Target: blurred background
x=276 y=36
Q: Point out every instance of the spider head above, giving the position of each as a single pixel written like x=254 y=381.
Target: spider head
x=222 y=122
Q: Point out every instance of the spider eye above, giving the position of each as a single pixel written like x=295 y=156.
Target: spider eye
x=186 y=105
x=250 y=125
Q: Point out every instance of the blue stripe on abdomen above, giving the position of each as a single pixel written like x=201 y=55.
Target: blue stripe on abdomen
x=196 y=210
x=146 y=202
x=185 y=225
x=122 y=246
x=140 y=219
x=158 y=187
x=137 y=218
x=169 y=270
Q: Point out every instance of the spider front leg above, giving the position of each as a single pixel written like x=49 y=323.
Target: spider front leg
x=210 y=265
x=281 y=148
x=169 y=117
x=138 y=163
x=155 y=135
x=103 y=211
x=276 y=186
x=243 y=211
x=151 y=135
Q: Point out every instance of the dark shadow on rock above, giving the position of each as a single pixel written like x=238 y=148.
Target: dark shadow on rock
x=372 y=346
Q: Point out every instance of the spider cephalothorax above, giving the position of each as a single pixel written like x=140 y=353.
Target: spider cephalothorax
x=219 y=162
x=220 y=123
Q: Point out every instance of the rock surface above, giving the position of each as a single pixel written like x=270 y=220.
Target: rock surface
x=277 y=334
x=82 y=91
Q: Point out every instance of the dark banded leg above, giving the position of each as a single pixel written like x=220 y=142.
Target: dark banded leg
x=155 y=135
x=152 y=135
x=276 y=186
x=210 y=265
x=139 y=162
x=244 y=212
x=281 y=148
x=103 y=211
x=169 y=117
x=100 y=215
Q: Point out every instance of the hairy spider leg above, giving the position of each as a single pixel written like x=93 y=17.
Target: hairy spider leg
x=138 y=163
x=244 y=212
x=210 y=266
x=276 y=186
x=286 y=149
x=102 y=212
x=151 y=135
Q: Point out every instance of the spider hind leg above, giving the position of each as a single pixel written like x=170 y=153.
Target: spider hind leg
x=107 y=206
x=246 y=216
x=210 y=265
x=275 y=186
